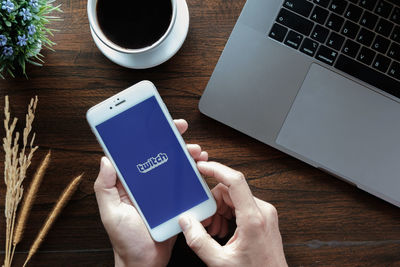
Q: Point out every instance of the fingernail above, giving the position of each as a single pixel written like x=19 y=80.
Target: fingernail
x=184 y=222
x=201 y=163
x=102 y=162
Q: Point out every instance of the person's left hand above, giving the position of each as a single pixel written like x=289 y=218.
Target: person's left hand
x=132 y=243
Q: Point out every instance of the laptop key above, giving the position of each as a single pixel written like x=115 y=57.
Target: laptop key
x=383 y=9
x=384 y=27
x=323 y=3
x=301 y=7
x=309 y=47
x=293 y=39
x=335 y=22
x=326 y=55
x=353 y=13
x=381 y=63
x=350 y=48
x=350 y=29
x=278 y=32
x=369 y=20
x=294 y=21
x=394 y=51
x=335 y=41
x=319 y=34
x=368 y=75
x=338 y=6
x=366 y=56
x=381 y=44
x=394 y=70
x=319 y=15
x=395 y=17
x=365 y=37
x=368 y=4
x=396 y=34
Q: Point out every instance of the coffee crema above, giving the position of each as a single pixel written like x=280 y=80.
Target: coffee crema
x=134 y=24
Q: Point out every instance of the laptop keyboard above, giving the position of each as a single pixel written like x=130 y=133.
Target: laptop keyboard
x=358 y=37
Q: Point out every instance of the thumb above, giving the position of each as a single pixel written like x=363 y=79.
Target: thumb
x=105 y=186
x=199 y=240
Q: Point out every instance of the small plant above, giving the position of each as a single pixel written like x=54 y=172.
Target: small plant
x=23 y=32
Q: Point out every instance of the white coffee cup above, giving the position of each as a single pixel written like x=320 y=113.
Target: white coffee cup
x=149 y=56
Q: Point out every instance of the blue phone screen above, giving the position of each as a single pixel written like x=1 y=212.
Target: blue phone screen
x=152 y=162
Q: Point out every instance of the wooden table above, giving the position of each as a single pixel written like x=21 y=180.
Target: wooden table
x=323 y=220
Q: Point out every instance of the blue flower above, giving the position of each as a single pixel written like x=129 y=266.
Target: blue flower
x=3 y=40
x=7 y=51
x=26 y=14
x=31 y=29
x=34 y=3
x=22 y=40
x=7 y=5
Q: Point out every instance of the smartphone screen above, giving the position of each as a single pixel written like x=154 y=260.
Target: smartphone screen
x=152 y=162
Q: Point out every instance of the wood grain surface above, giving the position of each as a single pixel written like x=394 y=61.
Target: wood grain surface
x=323 y=221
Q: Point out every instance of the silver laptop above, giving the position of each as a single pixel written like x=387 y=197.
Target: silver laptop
x=319 y=80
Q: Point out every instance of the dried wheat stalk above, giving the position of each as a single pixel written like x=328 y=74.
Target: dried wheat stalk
x=61 y=202
x=29 y=199
x=16 y=163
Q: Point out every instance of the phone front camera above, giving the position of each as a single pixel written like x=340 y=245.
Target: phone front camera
x=110 y=107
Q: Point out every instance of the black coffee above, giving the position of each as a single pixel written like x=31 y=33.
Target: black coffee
x=134 y=24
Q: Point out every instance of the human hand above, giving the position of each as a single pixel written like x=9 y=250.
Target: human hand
x=256 y=241
x=132 y=243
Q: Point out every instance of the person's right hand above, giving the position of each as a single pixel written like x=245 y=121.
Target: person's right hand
x=256 y=241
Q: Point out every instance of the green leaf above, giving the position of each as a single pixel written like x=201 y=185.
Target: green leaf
x=11 y=73
x=38 y=58
x=8 y=24
x=34 y=63
x=1 y=72
x=21 y=62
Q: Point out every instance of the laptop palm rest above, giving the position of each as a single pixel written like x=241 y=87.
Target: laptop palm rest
x=346 y=129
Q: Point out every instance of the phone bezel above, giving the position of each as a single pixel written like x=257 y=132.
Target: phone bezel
x=131 y=97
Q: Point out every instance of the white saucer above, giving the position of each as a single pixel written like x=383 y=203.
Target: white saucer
x=160 y=53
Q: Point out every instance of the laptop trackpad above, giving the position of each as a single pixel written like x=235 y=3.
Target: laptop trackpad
x=347 y=129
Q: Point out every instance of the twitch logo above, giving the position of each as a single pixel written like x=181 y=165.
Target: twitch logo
x=152 y=163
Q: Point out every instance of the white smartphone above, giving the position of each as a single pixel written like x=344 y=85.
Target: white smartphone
x=139 y=136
